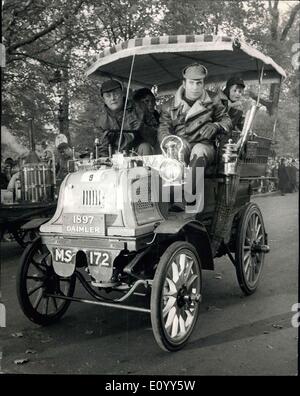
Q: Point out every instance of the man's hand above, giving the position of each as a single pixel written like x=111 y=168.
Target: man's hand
x=208 y=131
x=135 y=124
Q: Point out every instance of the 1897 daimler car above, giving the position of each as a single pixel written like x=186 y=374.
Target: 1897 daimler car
x=114 y=232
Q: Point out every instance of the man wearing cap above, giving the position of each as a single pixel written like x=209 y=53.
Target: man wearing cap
x=109 y=124
x=195 y=115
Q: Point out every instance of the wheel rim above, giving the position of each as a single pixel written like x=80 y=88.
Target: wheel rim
x=180 y=296
x=41 y=280
x=251 y=255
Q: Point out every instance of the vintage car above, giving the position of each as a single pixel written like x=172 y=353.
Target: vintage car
x=113 y=230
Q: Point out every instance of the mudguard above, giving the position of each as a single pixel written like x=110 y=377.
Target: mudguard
x=34 y=223
x=195 y=233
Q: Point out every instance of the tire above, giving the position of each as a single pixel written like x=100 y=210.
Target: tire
x=249 y=261
x=23 y=237
x=173 y=319
x=36 y=278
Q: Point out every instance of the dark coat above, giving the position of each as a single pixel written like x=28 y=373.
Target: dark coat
x=135 y=130
x=235 y=113
x=178 y=118
x=283 y=178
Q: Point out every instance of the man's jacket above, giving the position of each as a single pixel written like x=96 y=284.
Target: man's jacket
x=135 y=130
x=178 y=118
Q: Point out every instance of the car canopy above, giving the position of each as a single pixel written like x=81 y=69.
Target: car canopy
x=159 y=60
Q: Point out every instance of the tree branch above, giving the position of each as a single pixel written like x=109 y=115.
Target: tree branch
x=290 y=22
x=275 y=19
x=48 y=63
x=49 y=29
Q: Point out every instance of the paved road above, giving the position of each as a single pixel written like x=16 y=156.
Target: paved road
x=235 y=335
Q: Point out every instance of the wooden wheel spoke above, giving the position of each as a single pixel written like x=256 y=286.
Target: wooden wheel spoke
x=38 y=300
x=30 y=292
x=247 y=255
x=47 y=306
x=256 y=222
x=253 y=270
x=170 y=318
x=258 y=239
x=39 y=266
x=54 y=303
x=182 y=328
x=249 y=272
x=170 y=304
x=35 y=278
x=190 y=282
x=188 y=270
x=189 y=317
x=175 y=272
x=247 y=265
x=172 y=288
x=182 y=263
x=258 y=229
x=253 y=226
x=175 y=325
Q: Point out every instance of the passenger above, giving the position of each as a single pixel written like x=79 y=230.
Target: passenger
x=231 y=98
x=9 y=163
x=195 y=115
x=146 y=100
x=65 y=154
x=136 y=132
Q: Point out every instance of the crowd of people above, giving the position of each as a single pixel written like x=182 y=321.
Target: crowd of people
x=282 y=174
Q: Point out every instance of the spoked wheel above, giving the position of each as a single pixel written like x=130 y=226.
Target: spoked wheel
x=36 y=279
x=176 y=295
x=24 y=237
x=250 y=248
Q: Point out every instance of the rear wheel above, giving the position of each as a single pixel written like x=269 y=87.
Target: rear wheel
x=35 y=280
x=24 y=237
x=250 y=248
x=175 y=296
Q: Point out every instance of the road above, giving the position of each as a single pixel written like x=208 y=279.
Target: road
x=234 y=335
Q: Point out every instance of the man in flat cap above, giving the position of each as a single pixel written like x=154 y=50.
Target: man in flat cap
x=196 y=115
x=135 y=131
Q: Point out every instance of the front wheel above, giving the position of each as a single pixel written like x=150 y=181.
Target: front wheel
x=175 y=296
x=35 y=280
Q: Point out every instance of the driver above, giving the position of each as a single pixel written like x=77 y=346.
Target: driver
x=110 y=121
x=195 y=115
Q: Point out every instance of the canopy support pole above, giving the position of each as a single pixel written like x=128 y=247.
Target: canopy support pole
x=125 y=105
x=259 y=85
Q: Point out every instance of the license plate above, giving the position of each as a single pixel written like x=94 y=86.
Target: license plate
x=66 y=256
x=94 y=257
x=84 y=224
x=99 y=258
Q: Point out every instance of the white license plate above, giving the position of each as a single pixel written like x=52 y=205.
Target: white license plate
x=99 y=258
x=94 y=257
x=61 y=255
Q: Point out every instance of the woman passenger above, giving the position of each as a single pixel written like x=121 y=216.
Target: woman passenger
x=232 y=96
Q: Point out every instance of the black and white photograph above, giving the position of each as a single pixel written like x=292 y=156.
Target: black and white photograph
x=149 y=191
